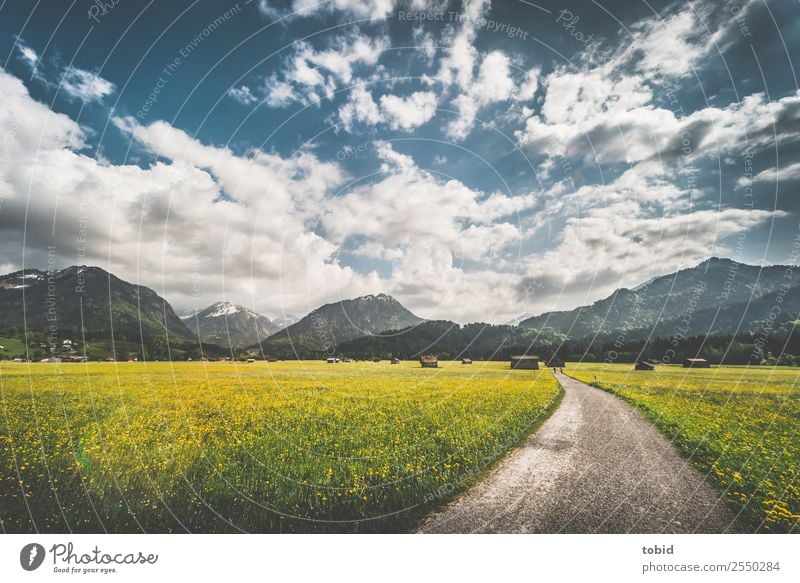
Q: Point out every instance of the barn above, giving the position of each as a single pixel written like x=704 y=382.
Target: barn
x=525 y=362
x=429 y=362
x=642 y=365
x=466 y=361
x=695 y=363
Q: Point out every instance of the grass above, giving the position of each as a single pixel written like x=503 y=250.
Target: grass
x=261 y=447
x=12 y=347
x=738 y=424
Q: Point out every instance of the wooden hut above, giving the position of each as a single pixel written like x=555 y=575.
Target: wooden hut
x=466 y=361
x=695 y=363
x=642 y=365
x=525 y=362
x=429 y=362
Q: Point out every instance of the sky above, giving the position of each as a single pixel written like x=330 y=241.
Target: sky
x=477 y=160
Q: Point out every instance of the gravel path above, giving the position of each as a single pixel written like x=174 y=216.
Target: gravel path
x=595 y=466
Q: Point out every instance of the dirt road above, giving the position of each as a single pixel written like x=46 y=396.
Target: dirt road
x=595 y=466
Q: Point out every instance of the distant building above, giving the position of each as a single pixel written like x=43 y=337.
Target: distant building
x=555 y=363
x=695 y=363
x=51 y=359
x=429 y=362
x=642 y=365
x=525 y=362
x=332 y=360
x=249 y=360
x=466 y=361
x=395 y=360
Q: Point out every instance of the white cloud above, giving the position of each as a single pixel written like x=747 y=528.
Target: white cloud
x=267 y=9
x=242 y=95
x=409 y=112
x=85 y=85
x=310 y=75
x=790 y=173
x=577 y=122
x=615 y=245
x=530 y=84
x=360 y=107
x=492 y=84
x=457 y=67
x=356 y=8
x=210 y=212
x=26 y=54
x=671 y=47
x=229 y=226
x=403 y=113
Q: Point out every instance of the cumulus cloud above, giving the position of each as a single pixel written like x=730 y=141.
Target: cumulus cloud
x=409 y=112
x=626 y=127
x=397 y=112
x=26 y=54
x=242 y=95
x=310 y=75
x=85 y=85
x=360 y=107
x=789 y=173
x=228 y=226
x=204 y=223
x=356 y=8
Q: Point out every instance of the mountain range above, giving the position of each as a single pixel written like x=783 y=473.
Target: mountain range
x=84 y=301
x=718 y=296
x=228 y=324
x=324 y=329
x=714 y=298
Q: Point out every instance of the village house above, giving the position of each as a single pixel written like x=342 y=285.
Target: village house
x=642 y=365
x=525 y=362
x=695 y=363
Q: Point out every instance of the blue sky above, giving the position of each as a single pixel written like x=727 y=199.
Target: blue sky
x=477 y=160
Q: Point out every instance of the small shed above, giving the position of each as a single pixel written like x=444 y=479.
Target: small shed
x=395 y=360
x=525 y=362
x=333 y=360
x=429 y=362
x=695 y=363
x=466 y=361
x=642 y=365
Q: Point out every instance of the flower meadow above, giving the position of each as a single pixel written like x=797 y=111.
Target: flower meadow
x=261 y=447
x=739 y=425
